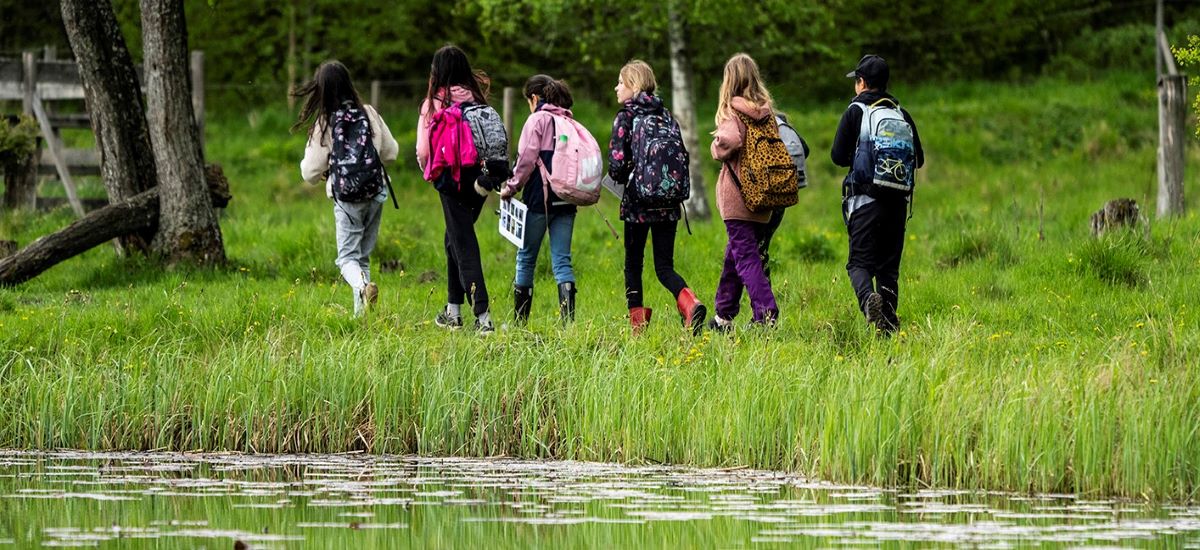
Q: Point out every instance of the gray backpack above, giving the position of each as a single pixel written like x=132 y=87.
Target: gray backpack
x=491 y=143
x=796 y=148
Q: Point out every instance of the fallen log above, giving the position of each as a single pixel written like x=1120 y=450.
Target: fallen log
x=139 y=213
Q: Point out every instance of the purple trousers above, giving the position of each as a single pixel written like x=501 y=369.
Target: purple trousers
x=744 y=269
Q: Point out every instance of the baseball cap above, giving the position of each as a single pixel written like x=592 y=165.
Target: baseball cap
x=872 y=69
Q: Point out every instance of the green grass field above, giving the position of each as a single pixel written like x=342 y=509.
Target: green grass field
x=1032 y=357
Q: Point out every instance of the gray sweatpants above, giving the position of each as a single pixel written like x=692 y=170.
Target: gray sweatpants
x=357 y=228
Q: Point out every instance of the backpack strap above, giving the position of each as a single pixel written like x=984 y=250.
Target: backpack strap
x=864 y=125
x=542 y=168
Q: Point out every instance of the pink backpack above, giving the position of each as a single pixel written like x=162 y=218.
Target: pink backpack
x=577 y=165
x=451 y=146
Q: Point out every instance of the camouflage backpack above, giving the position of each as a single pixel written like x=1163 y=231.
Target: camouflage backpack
x=766 y=175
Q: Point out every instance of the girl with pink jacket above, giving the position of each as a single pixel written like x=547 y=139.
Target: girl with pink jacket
x=451 y=81
x=742 y=91
x=547 y=212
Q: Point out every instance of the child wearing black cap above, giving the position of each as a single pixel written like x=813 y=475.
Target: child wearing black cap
x=875 y=206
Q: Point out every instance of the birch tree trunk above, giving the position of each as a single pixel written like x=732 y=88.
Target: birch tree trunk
x=187 y=228
x=684 y=109
x=114 y=103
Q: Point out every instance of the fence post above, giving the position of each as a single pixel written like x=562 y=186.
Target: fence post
x=198 y=93
x=509 y=96
x=375 y=94
x=49 y=53
x=29 y=75
x=1172 y=141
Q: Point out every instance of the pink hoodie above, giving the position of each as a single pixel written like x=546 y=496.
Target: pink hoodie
x=458 y=94
x=727 y=147
x=536 y=136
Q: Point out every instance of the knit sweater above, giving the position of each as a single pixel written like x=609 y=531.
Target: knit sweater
x=315 y=165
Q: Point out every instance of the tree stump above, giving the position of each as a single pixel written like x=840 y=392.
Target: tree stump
x=20 y=184
x=1116 y=213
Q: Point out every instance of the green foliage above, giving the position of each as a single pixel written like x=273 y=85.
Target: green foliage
x=971 y=245
x=1189 y=56
x=808 y=247
x=19 y=140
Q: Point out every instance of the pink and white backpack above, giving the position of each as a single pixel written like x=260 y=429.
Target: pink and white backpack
x=577 y=166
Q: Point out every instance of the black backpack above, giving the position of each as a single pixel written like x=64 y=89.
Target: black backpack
x=663 y=179
x=358 y=174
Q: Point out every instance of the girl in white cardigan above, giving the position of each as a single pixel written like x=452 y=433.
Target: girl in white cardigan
x=357 y=200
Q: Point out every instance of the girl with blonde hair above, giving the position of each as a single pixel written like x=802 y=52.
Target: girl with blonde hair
x=743 y=97
x=647 y=157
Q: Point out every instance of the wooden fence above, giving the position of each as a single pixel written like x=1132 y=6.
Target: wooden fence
x=40 y=82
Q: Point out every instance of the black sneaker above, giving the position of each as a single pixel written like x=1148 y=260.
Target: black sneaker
x=716 y=325
x=873 y=309
x=484 y=328
x=445 y=320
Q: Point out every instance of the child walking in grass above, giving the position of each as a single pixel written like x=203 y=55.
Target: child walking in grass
x=452 y=81
x=647 y=156
x=547 y=98
x=877 y=189
x=743 y=98
x=348 y=143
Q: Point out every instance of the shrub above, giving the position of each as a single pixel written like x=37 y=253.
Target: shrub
x=1118 y=258
x=18 y=139
x=809 y=248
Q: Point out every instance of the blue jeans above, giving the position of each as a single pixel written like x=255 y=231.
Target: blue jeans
x=561 y=226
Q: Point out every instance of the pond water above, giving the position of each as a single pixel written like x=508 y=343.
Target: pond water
x=169 y=500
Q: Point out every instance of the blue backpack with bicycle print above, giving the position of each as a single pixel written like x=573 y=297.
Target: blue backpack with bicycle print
x=886 y=160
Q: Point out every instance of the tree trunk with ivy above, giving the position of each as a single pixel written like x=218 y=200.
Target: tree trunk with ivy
x=187 y=228
x=114 y=102
x=20 y=181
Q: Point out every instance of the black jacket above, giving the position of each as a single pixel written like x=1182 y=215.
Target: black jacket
x=845 y=143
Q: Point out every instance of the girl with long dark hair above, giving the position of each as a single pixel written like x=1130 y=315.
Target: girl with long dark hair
x=353 y=178
x=451 y=81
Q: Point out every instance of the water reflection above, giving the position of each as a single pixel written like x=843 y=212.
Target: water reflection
x=181 y=500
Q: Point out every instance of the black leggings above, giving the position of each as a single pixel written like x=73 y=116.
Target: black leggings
x=464 y=271
x=664 y=259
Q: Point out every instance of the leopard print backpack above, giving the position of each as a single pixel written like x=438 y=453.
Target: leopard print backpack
x=767 y=175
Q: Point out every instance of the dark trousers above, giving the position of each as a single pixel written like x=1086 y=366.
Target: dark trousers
x=876 y=244
x=464 y=272
x=663 y=245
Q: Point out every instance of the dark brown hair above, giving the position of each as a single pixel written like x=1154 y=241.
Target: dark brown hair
x=554 y=92
x=323 y=95
x=450 y=67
